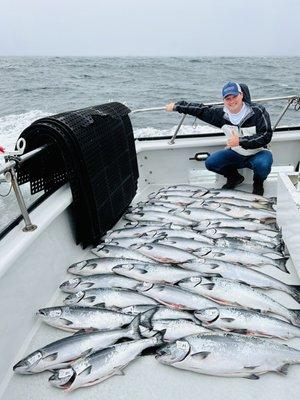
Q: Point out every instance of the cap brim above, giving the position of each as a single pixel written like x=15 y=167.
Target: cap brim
x=231 y=93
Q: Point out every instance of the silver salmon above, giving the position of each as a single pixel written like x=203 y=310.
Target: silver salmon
x=225 y=291
x=228 y=355
x=246 y=322
x=102 y=365
x=60 y=353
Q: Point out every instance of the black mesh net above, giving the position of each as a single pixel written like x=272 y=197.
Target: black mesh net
x=94 y=150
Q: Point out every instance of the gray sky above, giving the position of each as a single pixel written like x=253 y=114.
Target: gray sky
x=150 y=28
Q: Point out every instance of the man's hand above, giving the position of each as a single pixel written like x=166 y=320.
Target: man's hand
x=170 y=107
x=234 y=140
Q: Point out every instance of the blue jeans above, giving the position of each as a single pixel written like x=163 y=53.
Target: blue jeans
x=226 y=162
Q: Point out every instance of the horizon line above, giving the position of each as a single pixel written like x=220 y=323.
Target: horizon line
x=151 y=56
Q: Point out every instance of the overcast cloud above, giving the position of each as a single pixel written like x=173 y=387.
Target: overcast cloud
x=150 y=28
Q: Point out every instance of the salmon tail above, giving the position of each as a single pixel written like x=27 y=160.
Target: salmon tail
x=281 y=264
x=159 y=336
x=294 y=291
x=152 y=195
x=295 y=317
x=279 y=247
x=272 y=200
x=134 y=328
x=146 y=317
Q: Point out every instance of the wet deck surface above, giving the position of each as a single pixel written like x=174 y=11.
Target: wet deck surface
x=146 y=379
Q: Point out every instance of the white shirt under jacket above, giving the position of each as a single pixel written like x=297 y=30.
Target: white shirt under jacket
x=236 y=119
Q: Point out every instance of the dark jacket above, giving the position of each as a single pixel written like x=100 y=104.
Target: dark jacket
x=257 y=117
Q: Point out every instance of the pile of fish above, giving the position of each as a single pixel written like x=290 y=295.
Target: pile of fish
x=183 y=275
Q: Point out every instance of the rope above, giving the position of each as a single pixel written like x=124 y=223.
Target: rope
x=8 y=193
x=296 y=103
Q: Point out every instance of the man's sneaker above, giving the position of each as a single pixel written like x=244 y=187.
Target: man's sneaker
x=233 y=181
x=258 y=187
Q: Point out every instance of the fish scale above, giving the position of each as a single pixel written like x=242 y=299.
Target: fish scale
x=102 y=364
x=109 y=298
x=216 y=233
x=153 y=273
x=246 y=322
x=238 y=194
x=228 y=355
x=175 y=297
x=97 y=282
x=61 y=352
x=241 y=212
x=235 y=223
x=75 y=318
x=226 y=292
x=242 y=274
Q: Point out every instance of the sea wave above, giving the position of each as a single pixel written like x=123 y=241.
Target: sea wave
x=184 y=130
x=11 y=126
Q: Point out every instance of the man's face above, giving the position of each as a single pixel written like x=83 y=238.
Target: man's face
x=234 y=103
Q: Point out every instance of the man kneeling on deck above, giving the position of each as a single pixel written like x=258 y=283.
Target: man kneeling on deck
x=248 y=128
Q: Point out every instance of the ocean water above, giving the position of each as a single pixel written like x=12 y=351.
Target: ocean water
x=34 y=87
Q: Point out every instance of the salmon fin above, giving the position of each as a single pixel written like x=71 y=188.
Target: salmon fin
x=131 y=224
x=142 y=271
x=252 y=376
x=279 y=247
x=162 y=332
x=86 y=330
x=211 y=275
x=159 y=341
x=160 y=337
x=201 y=355
x=134 y=331
x=295 y=292
x=218 y=254
x=240 y=331
x=251 y=367
x=146 y=317
x=283 y=370
x=295 y=317
x=280 y=263
x=100 y=305
x=208 y=286
x=87 y=352
x=51 y=357
x=247 y=238
x=118 y=371
x=66 y=322
x=93 y=266
x=214 y=266
x=86 y=371
x=226 y=208
x=160 y=236
x=227 y=319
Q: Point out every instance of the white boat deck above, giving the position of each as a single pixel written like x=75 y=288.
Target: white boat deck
x=145 y=378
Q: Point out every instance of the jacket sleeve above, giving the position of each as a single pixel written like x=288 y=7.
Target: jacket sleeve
x=211 y=115
x=263 y=134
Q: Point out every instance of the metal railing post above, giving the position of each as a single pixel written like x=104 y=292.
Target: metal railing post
x=28 y=225
x=172 y=140
x=10 y=174
x=284 y=110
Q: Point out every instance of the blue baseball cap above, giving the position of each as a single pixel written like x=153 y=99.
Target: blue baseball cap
x=231 y=88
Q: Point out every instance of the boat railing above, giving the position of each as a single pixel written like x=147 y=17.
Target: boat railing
x=291 y=101
x=15 y=158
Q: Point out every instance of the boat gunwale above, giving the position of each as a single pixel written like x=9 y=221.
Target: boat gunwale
x=14 y=240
